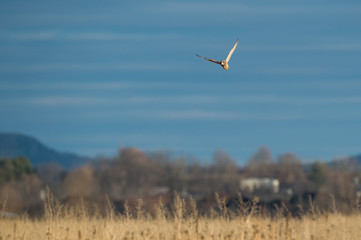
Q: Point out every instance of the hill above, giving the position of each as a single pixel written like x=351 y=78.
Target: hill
x=13 y=145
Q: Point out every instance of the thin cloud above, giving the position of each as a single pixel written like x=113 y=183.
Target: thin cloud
x=190 y=114
x=219 y=115
x=65 y=101
x=188 y=100
x=76 y=101
x=356 y=99
x=84 y=36
x=103 y=85
x=120 y=66
x=108 y=36
x=294 y=70
x=121 y=84
x=94 y=138
x=343 y=47
x=246 y=9
x=31 y=36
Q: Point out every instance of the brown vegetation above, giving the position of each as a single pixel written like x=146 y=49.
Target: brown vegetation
x=133 y=174
x=182 y=221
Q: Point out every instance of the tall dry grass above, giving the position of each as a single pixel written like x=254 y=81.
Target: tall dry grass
x=182 y=221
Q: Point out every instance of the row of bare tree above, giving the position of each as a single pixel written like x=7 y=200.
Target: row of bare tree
x=133 y=174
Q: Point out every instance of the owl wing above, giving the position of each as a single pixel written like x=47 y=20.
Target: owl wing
x=231 y=52
x=212 y=60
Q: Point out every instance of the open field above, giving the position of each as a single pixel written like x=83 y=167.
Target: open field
x=181 y=222
x=333 y=227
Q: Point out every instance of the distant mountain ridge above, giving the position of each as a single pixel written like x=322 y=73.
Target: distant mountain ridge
x=350 y=164
x=14 y=144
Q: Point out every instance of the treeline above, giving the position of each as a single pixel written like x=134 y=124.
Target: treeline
x=133 y=174
x=13 y=169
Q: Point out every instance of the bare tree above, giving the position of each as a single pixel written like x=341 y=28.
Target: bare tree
x=260 y=163
x=226 y=173
x=80 y=182
x=134 y=173
x=289 y=169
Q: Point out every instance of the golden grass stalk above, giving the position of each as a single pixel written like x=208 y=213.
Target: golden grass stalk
x=182 y=221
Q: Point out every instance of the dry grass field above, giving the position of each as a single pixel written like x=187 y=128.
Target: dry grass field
x=182 y=221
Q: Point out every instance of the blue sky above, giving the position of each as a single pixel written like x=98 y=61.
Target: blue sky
x=91 y=76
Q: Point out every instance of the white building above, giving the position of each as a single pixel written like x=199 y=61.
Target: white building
x=252 y=184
